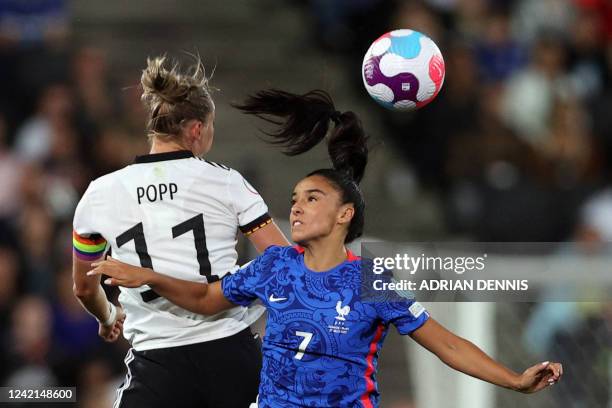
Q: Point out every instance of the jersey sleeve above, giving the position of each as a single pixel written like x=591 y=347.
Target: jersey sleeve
x=406 y=315
x=87 y=243
x=242 y=287
x=251 y=210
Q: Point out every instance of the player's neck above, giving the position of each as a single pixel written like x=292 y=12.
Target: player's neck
x=159 y=146
x=322 y=256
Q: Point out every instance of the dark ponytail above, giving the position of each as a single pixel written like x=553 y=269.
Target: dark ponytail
x=303 y=121
x=347 y=146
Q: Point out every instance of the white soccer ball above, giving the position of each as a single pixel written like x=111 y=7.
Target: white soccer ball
x=403 y=70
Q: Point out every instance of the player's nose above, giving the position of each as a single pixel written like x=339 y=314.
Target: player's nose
x=296 y=209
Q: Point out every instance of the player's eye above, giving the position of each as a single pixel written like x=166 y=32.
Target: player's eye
x=312 y=198
x=292 y=202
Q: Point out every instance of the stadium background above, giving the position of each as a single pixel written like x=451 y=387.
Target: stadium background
x=517 y=147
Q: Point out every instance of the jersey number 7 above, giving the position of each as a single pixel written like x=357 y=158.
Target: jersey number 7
x=195 y=224
x=304 y=344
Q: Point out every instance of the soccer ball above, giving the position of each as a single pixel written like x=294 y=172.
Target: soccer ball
x=403 y=70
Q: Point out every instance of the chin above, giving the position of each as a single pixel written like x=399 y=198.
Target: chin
x=298 y=238
x=302 y=238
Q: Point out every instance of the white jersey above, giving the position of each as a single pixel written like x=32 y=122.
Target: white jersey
x=179 y=215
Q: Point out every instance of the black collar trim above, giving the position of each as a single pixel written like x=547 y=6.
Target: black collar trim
x=156 y=157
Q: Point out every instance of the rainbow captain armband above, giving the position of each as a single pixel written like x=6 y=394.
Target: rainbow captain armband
x=88 y=249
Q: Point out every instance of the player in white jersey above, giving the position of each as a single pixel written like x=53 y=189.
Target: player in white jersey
x=174 y=211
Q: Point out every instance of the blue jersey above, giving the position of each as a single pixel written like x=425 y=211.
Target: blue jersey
x=322 y=339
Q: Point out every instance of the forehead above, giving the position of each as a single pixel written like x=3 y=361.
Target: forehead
x=315 y=182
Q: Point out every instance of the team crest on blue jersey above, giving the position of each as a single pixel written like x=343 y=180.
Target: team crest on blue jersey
x=339 y=326
x=342 y=311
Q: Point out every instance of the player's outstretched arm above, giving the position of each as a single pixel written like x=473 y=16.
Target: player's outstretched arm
x=268 y=236
x=464 y=356
x=197 y=297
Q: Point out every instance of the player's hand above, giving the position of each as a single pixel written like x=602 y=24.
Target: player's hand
x=111 y=333
x=539 y=377
x=119 y=273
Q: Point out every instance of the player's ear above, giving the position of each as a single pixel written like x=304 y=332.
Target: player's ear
x=197 y=127
x=346 y=213
x=193 y=129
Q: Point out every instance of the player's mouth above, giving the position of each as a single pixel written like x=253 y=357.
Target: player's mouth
x=296 y=223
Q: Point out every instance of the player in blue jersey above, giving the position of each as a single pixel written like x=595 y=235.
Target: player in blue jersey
x=323 y=332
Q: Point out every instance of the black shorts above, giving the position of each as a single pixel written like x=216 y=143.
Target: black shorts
x=222 y=373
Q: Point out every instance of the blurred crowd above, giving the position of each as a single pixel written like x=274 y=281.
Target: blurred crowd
x=63 y=121
x=518 y=146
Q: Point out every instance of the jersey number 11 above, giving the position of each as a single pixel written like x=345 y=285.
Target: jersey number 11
x=195 y=224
